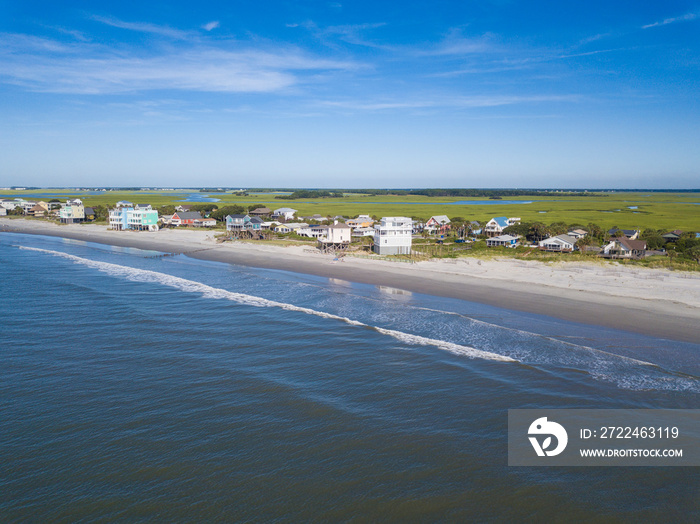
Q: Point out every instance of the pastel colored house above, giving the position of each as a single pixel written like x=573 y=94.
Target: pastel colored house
x=361 y=221
x=72 y=212
x=236 y=222
x=38 y=210
x=393 y=236
x=128 y=218
x=204 y=222
x=438 y=224
x=185 y=218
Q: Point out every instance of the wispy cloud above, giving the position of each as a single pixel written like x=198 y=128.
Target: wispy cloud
x=211 y=25
x=455 y=44
x=350 y=34
x=83 y=68
x=685 y=18
x=142 y=27
x=453 y=102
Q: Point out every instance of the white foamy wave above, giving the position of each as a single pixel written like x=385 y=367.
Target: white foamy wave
x=191 y=286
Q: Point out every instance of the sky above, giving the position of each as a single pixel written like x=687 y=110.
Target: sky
x=351 y=94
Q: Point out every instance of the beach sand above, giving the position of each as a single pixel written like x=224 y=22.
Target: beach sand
x=654 y=302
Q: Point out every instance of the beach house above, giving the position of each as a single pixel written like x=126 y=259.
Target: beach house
x=204 y=222
x=622 y=247
x=393 y=236
x=129 y=218
x=360 y=221
x=437 y=224
x=260 y=212
x=560 y=243
x=314 y=231
x=185 y=218
x=631 y=234
x=236 y=222
x=577 y=233
x=72 y=212
x=502 y=241
x=335 y=237
x=286 y=213
x=496 y=225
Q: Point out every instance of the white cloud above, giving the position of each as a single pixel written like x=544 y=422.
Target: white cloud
x=454 y=102
x=685 y=18
x=84 y=68
x=211 y=25
x=142 y=27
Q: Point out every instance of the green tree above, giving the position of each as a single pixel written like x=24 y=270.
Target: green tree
x=558 y=228
x=221 y=213
x=694 y=253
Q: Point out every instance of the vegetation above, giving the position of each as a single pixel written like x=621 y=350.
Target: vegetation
x=543 y=213
x=310 y=194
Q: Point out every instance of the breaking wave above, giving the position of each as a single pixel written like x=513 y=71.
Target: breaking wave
x=190 y=286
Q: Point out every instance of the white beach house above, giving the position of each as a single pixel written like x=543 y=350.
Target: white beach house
x=392 y=236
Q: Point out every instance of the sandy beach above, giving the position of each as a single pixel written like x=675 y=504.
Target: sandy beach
x=654 y=302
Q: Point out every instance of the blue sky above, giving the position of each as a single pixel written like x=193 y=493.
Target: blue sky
x=350 y=94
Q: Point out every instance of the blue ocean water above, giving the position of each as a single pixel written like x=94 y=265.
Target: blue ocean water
x=134 y=386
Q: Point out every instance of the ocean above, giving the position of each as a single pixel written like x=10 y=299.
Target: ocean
x=135 y=386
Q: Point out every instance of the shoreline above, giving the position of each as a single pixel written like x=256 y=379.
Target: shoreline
x=653 y=302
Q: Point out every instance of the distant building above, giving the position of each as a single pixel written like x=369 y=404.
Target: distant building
x=577 y=233
x=204 y=222
x=631 y=234
x=437 y=224
x=260 y=212
x=393 y=236
x=672 y=236
x=362 y=221
x=286 y=213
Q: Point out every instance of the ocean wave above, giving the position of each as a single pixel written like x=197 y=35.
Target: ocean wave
x=191 y=286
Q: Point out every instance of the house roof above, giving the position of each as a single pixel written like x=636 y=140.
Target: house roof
x=235 y=216
x=188 y=215
x=89 y=211
x=504 y=238
x=339 y=225
x=256 y=220
x=285 y=210
x=579 y=231
x=501 y=221
x=627 y=232
x=261 y=211
x=637 y=245
x=440 y=219
x=561 y=238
